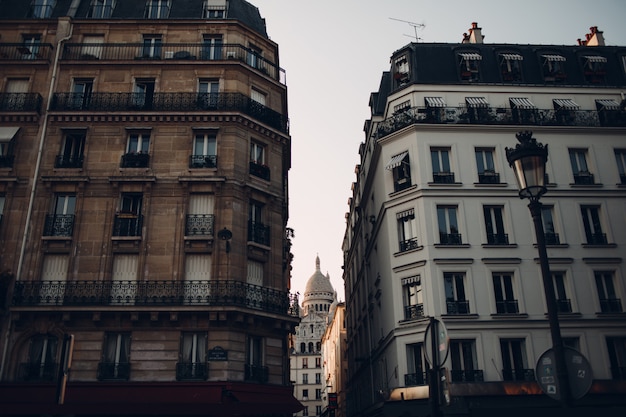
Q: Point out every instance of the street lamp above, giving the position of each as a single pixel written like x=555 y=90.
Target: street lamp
x=528 y=160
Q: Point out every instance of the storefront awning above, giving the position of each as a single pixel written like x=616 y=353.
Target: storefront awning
x=396 y=160
x=522 y=103
x=7 y=133
x=565 y=104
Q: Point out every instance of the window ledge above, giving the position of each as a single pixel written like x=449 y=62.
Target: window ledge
x=497 y=184
x=416 y=249
x=56 y=238
x=570 y=315
x=591 y=246
x=469 y=316
x=411 y=188
x=491 y=246
x=611 y=314
x=556 y=245
x=509 y=316
x=462 y=245
x=446 y=184
x=595 y=185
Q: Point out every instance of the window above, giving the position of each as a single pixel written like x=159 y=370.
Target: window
x=143 y=93
x=563 y=303
x=2 y=198
x=305 y=362
x=318 y=362
x=565 y=111
x=553 y=68
x=469 y=66
x=305 y=411
x=257 y=231
x=435 y=109
x=41 y=362
x=605 y=284
x=81 y=94
x=478 y=110
x=523 y=110
x=208 y=94
x=318 y=392
x=484 y=163
x=255 y=371
x=157 y=9
x=258 y=166
x=71 y=151
x=416 y=365
x=401 y=170
x=514 y=361
x=318 y=410
x=124 y=279
x=30 y=47
x=101 y=9
x=200 y=217
x=510 y=67
x=609 y=112
x=318 y=377
x=464 y=362
x=7 y=135
x=440 y=159
x=592 y=225
x=305 y=378
x=214 y=9
x=547 y=217
x=152 y=45
x=303 y=346
x=454 y=285
x=197 y=278
x=115 y=362
x=192 y=357
x=41 y=9
x=620 y=159
x=578 y=160
x=494 y=225
x=254 y=57
x=402 y=70
x=503 y=291
x=594 y=68
x=254 y=279
x=212 y=47
x=137 y=149
x=61 y=221
x=412 y=298
x=53 y=277
x=16 y=97
x=128 y=220
x=407 y=234
x=448 y=226
x=616 y=347
x=204 y=151
x=257 y=96
x=91 y=47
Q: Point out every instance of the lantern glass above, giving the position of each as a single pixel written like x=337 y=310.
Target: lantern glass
x=530 y=173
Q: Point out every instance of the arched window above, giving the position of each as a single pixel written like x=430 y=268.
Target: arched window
x=318 y=346
x=310 y=347
x=302 y=347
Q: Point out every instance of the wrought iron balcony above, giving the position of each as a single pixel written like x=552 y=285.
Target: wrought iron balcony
x=258 y=233
x=489 y=177
x=174 y=102
x=611 y=305
x=457 y=307
x=164 y=52
x=20 y=102
x=552 y=238
x=59 y=225
x=6 y=161
x=597 y=239
x=135 y=160
x=414 y=312
x=199 y=225
x=25 y=52
x=160 y=293
x=127 y=224
x=583 y=178
x=203 y=161
x=497 y=238
x=518 y=374
x=507 y=307
x=564 y=305
x=450 y=239
x=409 y=244
x=37 y=371
x=256 y=373
x=68 y=161
x=471 y=375
x=418 y=378
x=443 y=177
x=259 y=170
x=499 y=116
x=113 y=371
x=187 y=371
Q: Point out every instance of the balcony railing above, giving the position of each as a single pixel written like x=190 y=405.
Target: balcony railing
x=113 y=371
x=20 y=102
x=260 y=170
x=179 y=102
x=450 y=239
x=507 y=307
x=127 y=225
x=37 y=371
x=552 y=238
x=59 y=225
x=135 y=160
x=457 y=307
x=187 y=371
x=257 y=373
x=491 y=116
x=199 y=225
x=172 y=52
x=488 y=177
x=25 y=52
x=161 y=293
x=418 y=378
x=497 y=238
x=414 y=312
x=68 y=161
x=203 y=161
x=258 y=233
x=409 y=244
x=584 y=178
x=443 y=177
x=564 y=305
x=611 y=305
x=472 y=375
x=597 y=239
x=518 y=374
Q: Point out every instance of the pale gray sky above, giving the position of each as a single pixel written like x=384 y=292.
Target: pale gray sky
x=334 y=53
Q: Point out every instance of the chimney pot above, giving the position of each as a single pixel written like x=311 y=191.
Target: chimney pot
x=474 y=25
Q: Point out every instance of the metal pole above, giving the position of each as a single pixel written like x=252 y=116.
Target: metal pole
x=553 y=315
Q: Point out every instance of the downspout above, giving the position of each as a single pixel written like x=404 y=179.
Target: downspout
x=64 y=26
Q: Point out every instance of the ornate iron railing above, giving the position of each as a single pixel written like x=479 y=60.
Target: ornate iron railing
x=188 y=371
x=25 y=102
x=126 y=225
x=552 y=238
x=259 y=170
x=443 y=177
x=414 y=312
x=25 y=52
x=68 y=161
x=472 y=375
x=257 y=373
x=199 y=225
x=497 y=238
x=498 y=116
x=141 y=293
x=113 y=371
x=597 y=239
x=160 y=52
x=564 y=305
x=518 y=374
x=408 y=244
x=180 y=102
x=457 y=307
x=418 y=378
x=30 y=371
x=203 y=161
x=135 y=160
x=450 y=239
x=584 y=178
x=59 y=225
x=489 y=177
x=258 y=233
x=507 y=307
x=611 y=305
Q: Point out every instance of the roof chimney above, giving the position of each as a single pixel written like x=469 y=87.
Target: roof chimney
x=475 y=35
x=595 y=38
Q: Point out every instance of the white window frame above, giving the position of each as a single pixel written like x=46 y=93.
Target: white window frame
x=157 y=9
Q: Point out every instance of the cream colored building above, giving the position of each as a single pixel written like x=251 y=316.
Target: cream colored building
x=335 y=363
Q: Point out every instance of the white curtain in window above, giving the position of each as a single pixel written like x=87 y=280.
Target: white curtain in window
x=124 y=277
x=53 y=275
x=201 y=204
x=92 y=46
x=257 y=96
x=197 y=277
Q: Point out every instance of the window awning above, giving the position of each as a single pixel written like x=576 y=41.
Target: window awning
x=7 y=133
x=554 y=57
x=595 y=58
x=396 y=160
x=565 y=103
x=522 y=103
x=471 y=56
x=435 y=102
x=411 y=280
x=512 y=57
x=608 y=104
x=476 y=102
x=406 y=214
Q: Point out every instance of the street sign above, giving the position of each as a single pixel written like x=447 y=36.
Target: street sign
x=578 y=373
x=442 y=343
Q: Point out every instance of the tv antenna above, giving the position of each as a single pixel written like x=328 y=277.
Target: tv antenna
x=413 y=25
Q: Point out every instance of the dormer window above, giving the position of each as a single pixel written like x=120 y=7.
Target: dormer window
x=101 y=9
x=469 y=66
x=157 y=9
x=554 y=68
x=511 y=67
x=594 y=68
x=214 y=9
x=42 y=9
x=401 y=70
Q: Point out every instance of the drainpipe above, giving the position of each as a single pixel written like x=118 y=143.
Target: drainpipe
x=64 y=33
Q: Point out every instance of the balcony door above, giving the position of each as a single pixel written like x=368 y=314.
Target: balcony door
x=143 y=93
x=124 y=279
x=53 y=277
x=197 y=288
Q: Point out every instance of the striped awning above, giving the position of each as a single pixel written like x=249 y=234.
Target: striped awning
x=476 y=102
x=565 y=103
x=595 y=58
x=7 y=133
x=512 y=57
x=554 y=57
x=471 y=56
x=522 y=103
x=406 y=214
x=416 y=279
x=396 y=160
x=608 y=104
x=435 y=102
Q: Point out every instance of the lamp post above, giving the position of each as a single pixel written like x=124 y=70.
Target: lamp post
x=528 y=160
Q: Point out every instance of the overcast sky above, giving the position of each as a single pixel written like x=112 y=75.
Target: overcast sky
x=334 y=53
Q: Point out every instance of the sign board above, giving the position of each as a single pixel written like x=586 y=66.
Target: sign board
x=217 y=354
x=442 y=342
x=578 y=372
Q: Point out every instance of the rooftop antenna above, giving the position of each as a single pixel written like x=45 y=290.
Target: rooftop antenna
x=412 y=24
